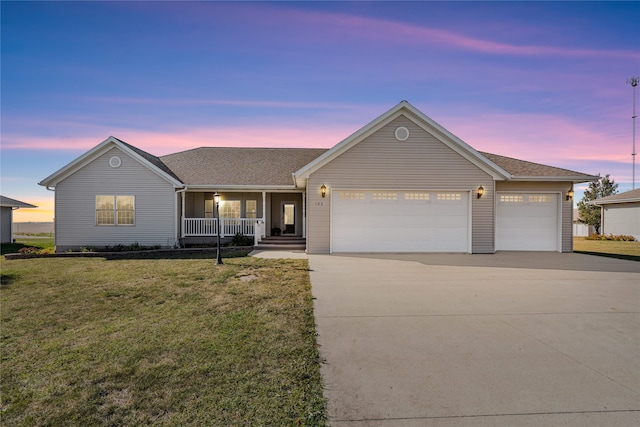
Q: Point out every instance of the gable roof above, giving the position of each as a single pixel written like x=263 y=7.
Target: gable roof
x=287 y=168
x=500 y=167
x=522 y=170
x=7 y=202
x=237 y=167
x=626 y=197
x=150 y=161
x=404 y=108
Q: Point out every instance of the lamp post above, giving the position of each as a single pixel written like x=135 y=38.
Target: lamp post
x=216 y=201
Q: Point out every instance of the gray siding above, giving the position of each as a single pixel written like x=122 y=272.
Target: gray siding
x=381 y=162
x=155 y=201
x=551 y=187
x=6 y=218
x=623 y=218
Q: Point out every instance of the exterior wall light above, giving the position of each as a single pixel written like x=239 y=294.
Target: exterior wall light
x=480 y=191
x=570 y=194
x=323 y=191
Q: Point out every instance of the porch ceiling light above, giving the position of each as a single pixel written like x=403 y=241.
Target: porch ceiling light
x=570 y=194
x=323 y=191
x=480 y=191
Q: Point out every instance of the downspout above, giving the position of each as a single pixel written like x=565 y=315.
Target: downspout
x=55 y=223
x=178 y=224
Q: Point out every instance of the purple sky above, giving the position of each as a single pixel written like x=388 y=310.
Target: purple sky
x=539 y=81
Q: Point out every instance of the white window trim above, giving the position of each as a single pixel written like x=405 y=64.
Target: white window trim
x=115 y=210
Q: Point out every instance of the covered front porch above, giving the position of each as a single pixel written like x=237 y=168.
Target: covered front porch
x=257 y=214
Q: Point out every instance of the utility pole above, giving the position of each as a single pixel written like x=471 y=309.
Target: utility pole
x=633 y=81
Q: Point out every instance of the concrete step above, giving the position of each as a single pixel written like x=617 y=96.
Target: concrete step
x=262 y=247
x=282 y=243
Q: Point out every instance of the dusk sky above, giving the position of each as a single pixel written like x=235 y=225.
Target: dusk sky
x=538 y=81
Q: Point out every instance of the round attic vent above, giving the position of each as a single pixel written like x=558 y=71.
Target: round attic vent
x=115 y=162
x=402 y=133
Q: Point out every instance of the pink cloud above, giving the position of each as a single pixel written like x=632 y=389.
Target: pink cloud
x=165 y=142
x=399 y=32
x=221 y=102
x=539 y=137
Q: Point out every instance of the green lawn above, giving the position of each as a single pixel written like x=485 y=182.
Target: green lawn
x=158 y=342
x=43 y=242
x=628 y=250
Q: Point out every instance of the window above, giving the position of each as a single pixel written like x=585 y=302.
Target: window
x=511 y=198
x=385 y=196
x=416 y=196
x=230 y=209
x=449 y=196
x=115 y=210
x=251 y=209
x=350 y=195
x=208 y=208
x=540 y=198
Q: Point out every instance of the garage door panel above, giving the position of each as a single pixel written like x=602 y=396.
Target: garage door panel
x=383 y=221
x=527 y=222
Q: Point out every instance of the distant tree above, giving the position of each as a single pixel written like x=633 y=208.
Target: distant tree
x=590 y=214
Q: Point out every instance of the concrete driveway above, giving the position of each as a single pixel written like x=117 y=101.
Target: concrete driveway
x=511 y=339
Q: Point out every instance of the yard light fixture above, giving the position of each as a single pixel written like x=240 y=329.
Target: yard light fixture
x=570 y=194
x=216 y=201
x=480 y=191
x=323 y=191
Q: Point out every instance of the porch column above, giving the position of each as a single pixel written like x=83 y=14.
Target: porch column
x=264 y=213
x=182 y=197
x=304 y=214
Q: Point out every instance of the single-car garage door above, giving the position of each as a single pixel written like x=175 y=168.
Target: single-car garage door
x=527 y=222
x=399 y=221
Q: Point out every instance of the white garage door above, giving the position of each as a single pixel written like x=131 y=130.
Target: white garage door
x=527 y=222
x=399 y=221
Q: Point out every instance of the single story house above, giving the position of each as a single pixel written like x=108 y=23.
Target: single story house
x=7 y=206
x=620 y=213
x=402 y=183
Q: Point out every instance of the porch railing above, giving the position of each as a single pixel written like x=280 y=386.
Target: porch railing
x=209 y=226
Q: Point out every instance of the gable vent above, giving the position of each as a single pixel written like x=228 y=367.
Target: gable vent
x=115 y=162
x=402 y=133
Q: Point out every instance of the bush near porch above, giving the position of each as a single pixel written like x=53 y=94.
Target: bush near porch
x=158 y=342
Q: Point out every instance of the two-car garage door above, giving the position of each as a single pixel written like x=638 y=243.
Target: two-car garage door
x=438 y=221
x=399 y=221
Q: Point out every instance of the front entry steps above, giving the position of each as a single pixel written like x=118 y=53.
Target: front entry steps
x=282 y=243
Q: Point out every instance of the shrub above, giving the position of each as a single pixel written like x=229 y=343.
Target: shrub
x=134 y=247
x=29 y=250
x=612 y=237
x=241 y=240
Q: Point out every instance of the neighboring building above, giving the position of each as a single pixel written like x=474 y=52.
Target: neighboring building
x=620 y=213
x=7 y=206
x=579 y=228
x=402 y=183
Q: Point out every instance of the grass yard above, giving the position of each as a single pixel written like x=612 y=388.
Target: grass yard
x=44 y=243
x=158 y=342
x=626 y=250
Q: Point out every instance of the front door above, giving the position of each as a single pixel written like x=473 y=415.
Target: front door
x=288 y=218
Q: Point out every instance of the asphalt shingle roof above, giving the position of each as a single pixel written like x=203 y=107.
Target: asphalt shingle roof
x=9 y=202
x=239 y=166
x=523 y=168
x=627 y=196
x=150 y=158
